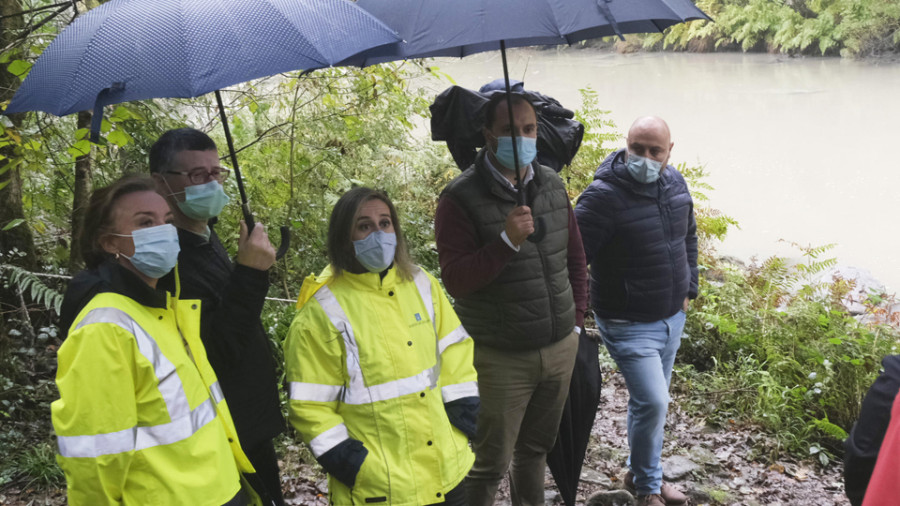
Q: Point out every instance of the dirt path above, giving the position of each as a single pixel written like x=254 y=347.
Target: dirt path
x=718 y=464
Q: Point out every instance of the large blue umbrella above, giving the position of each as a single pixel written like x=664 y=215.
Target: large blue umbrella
x=129 y=50
x=464 y=27
x=141 y=49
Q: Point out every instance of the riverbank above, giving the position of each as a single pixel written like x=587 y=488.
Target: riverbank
x=847 y=28
x=634 y=44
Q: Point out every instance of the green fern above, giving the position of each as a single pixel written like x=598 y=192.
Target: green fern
x=27 y=282
x=831 y=429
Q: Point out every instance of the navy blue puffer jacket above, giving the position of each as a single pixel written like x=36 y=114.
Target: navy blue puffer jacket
x=640 y=241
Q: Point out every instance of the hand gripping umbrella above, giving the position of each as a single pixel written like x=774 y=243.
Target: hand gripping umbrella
x=431 y=28
x=137 y=49
x=463 y=27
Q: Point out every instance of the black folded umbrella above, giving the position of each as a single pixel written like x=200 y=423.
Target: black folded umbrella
x=567 y=456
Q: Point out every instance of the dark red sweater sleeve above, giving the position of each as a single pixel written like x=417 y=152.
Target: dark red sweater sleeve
x=466 y=266
x=577 y=270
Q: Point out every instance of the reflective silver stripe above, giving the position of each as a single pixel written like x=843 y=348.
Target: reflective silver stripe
x=216 y=392
x=328 y=440
x=460 y=390
x=184 y=421
x=338 y=318
x=315 y=392
x=423 y=284
x=169 y=383
x=393 y=389
x=457 y=335
x=138 y=438
x=356 y=391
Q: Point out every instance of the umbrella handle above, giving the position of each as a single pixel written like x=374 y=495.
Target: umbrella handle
x=285 y=242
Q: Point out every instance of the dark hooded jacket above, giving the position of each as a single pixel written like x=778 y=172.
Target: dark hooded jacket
x=106 y=277
x=862 y=446
x=232 y=332
x=640 y=241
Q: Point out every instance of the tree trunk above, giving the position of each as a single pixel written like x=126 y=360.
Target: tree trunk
x=17 y=243
x=80 y=197
x=83 y=183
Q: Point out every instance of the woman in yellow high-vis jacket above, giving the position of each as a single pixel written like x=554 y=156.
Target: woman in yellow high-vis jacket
x=141 y=418
x=382 y=386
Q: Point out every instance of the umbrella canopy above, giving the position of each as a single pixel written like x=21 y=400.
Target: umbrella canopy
x=143 y=49
x=463 y=27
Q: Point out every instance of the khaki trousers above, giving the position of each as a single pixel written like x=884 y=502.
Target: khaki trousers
x=522 y=398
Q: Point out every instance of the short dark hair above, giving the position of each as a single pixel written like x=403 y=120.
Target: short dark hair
x=490 y=109
x=174 y=141
x=341 y=253
x=99 y=215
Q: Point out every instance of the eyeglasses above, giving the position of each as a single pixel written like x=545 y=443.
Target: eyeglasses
x=200 y=176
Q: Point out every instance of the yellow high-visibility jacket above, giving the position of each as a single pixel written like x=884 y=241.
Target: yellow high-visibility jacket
x=141 y=418
x=375 y=360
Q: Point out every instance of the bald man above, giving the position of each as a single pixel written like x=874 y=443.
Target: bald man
x=640 y=238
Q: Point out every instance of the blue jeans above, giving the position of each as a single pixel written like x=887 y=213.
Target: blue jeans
x=645 y=354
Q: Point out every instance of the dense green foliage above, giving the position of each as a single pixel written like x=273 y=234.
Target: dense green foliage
x=774 y=344
x=853 y=28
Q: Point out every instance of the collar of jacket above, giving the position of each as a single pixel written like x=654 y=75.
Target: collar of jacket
x=369 y=281
x=188 y=238
x=124 y=282
x=620 y=173
x=496 y=188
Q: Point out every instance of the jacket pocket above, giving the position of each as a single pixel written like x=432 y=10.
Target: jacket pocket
x=371 y=485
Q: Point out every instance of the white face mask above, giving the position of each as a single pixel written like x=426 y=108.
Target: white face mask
x=643 y=170
x=376 y=251
x=155 y=250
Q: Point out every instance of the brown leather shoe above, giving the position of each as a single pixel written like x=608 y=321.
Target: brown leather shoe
x=671 y=495
x=650 y=500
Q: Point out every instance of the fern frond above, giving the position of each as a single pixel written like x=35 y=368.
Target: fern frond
x=26 y=282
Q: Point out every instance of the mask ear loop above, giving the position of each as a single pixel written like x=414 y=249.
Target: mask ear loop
x=171 y=193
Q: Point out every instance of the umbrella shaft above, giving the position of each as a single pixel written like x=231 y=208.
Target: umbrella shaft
x=520 y=195
x=245 y=202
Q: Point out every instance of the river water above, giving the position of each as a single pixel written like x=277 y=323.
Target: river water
x=801 y=149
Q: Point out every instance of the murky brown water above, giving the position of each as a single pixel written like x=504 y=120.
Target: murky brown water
x=806 y=149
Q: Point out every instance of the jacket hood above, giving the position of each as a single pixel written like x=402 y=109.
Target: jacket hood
x=311 y=285
x=109 y=276
x=365 y=281
x=614 y=171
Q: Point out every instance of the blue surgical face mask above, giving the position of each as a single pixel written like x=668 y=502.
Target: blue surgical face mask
x=526 y=146
x=203 y=201
x=376 y=251
x=155 y=250
x=643 y=170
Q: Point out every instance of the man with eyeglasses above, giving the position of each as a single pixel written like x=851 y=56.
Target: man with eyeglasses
x=185 y=164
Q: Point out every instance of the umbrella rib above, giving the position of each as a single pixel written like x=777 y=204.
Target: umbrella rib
x=322 y=60
x=76 y=73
